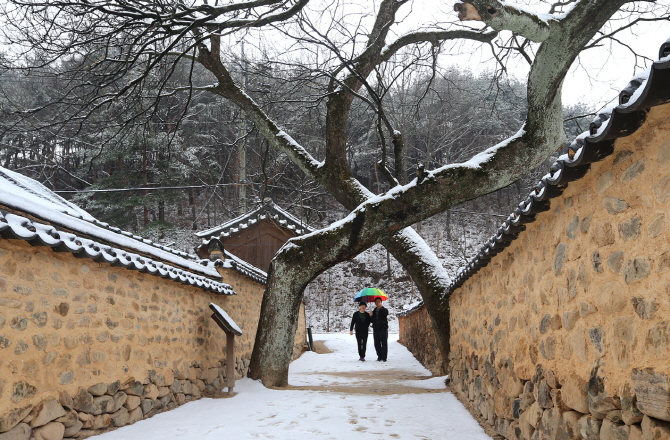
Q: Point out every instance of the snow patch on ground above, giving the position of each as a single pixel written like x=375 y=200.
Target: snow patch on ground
x=258 y=412
x=310 y=369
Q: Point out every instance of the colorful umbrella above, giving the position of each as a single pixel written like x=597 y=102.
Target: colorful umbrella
x=370 y=294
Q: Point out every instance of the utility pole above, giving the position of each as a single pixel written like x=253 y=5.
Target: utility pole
x=242 y=147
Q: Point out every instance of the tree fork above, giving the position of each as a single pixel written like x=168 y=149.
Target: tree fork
x=542 y=135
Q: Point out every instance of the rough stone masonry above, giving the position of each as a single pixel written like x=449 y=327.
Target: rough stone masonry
x=565 y=334
x=86 y=347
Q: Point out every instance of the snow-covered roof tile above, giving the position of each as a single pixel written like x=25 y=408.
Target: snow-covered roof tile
x=267 y=210
x=226 y=319
x=410 y=308
x=19 y=187
x=71 y=229
x=17 y=227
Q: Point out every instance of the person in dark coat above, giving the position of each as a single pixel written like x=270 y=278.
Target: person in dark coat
x=361 y=321
x=380 y=329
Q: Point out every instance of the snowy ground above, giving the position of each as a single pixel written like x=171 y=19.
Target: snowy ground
x=332 y=396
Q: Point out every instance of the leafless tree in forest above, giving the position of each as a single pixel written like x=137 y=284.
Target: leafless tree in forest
x=130 y=49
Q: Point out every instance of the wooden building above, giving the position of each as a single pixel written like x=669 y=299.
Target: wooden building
x=256 y=237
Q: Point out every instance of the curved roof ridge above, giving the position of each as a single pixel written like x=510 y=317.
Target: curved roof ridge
x=268 y=207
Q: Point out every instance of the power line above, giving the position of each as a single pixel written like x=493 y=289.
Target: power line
x=152 y=188
x=478 y=213
x=108 y=190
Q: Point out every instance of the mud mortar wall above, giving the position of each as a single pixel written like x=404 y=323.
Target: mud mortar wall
x=416 y=333
x=85 y=346
x=565 y=334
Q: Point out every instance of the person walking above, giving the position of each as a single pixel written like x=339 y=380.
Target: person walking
x=380 y=329
x=361 y=321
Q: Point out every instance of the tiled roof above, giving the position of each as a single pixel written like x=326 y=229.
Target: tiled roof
x=649 y=89
x=36 y=214
x=268 y=210
x=238 y=265
x=13 y=226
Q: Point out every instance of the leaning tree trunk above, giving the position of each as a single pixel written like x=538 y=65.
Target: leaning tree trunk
x=280 y=311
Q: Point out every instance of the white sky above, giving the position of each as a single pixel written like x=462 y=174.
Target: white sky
x=596 y=77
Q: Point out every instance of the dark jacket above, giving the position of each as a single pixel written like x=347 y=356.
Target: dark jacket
x=380 y=318
x=360 y=324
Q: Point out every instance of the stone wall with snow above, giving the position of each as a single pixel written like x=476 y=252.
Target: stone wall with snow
x=417 y=335
x=123 y=344
x=117 y=321
x=563 y=331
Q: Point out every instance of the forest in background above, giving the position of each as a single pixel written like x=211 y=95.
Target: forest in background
x=195 y=161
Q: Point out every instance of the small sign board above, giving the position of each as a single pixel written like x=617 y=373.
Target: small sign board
x=231 y=329
x=224 y=321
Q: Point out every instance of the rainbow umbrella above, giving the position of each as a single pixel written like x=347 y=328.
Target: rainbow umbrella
x=370 y=294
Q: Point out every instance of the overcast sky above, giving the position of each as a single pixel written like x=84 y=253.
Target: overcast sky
x=598 y=75
x=595 y=79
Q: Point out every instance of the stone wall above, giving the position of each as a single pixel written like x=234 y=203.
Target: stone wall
x=565 y=334
x=416 y=333
x=85 y=346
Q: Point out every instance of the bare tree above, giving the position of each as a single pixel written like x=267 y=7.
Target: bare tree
x=119 y=48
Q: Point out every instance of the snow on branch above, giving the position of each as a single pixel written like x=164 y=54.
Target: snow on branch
x=378 y=216
x=503 y=16
x=431 y=266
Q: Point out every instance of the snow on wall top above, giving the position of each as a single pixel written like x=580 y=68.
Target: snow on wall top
x=267 y=210
x=17 y=187
x=14 y=226
x=88 y=237
x=646 y=90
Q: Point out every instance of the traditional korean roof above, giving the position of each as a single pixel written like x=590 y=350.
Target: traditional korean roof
x=647 y=89
x=238 y=265
x=30 y=211
x=267 y=211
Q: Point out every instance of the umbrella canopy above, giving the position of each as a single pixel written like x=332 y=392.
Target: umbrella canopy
x=370 y=294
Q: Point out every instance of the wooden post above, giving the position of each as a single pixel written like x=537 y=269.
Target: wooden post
x=231 y=329
x=230 y=361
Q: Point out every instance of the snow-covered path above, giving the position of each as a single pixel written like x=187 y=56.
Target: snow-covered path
x=332 y=396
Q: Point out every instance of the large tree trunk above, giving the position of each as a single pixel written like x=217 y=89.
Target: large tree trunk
x=270 y=361
x=431 y=280
x=542 y=135
x=290 y=271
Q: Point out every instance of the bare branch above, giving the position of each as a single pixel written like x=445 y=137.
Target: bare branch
x=435 y=38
